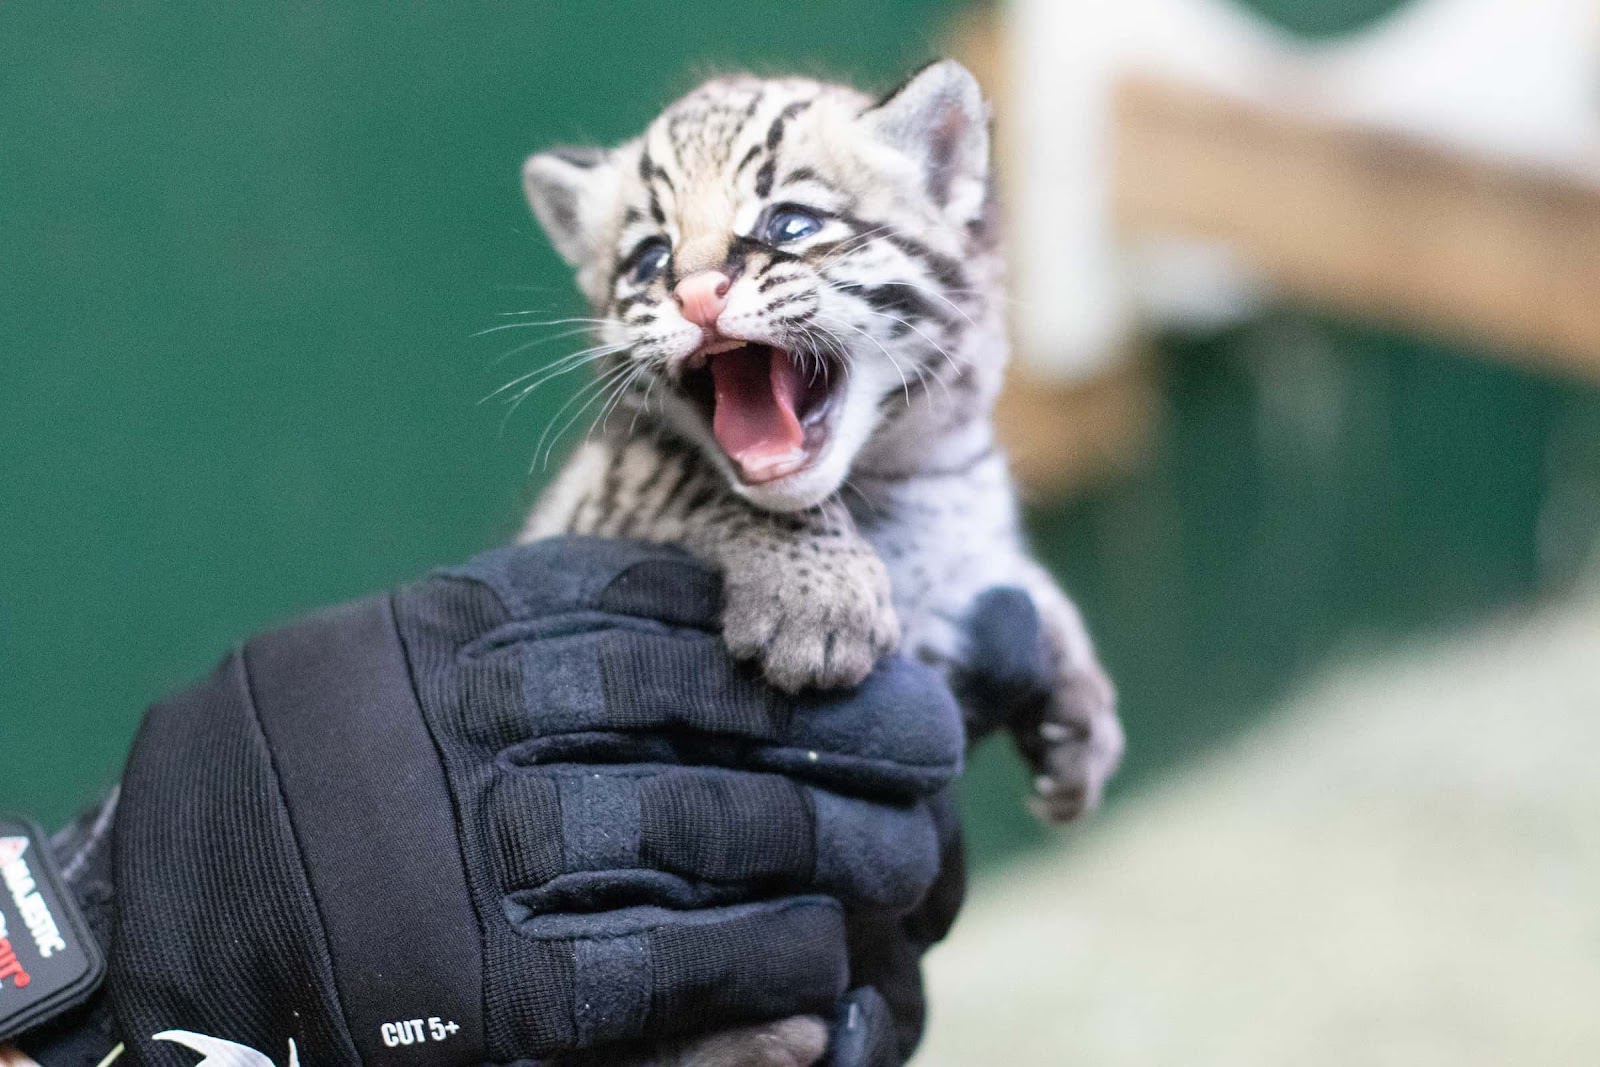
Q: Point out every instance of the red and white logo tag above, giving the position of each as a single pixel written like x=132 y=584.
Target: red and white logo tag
x=11 y=849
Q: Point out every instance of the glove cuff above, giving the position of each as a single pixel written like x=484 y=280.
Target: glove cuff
x=288 y=869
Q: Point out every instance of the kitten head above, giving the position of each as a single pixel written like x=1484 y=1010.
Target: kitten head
x=786 y=268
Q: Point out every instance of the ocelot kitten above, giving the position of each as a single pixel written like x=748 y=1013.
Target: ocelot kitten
x=800 y=299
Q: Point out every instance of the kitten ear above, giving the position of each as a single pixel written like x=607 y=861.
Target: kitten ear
x=938 y=118
x=572 y=191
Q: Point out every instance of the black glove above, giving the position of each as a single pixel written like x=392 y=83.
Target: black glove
x=881 y=1022
x=523 y=807
x=1006 y=678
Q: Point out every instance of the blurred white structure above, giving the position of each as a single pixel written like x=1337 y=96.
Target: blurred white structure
x=1516 y=80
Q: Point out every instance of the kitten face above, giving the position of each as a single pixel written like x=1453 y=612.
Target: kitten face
x=780 y=264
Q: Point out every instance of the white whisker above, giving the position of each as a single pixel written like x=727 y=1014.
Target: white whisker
x=618 y=394
x=938 y=296
x=563 y=335
x=644 y=404
x=910 y=326
x=542 y=322
x=528 y=391
x=556 y=369
x=904 y=382
x=592 y=391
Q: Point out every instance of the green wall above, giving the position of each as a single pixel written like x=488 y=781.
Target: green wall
x=243 y=249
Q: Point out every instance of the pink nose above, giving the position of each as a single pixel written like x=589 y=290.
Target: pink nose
x=702 y=296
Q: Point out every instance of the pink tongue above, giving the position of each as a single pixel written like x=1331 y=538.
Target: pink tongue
x=754 y=419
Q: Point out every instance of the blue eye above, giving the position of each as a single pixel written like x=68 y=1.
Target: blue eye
x=790 y=224
x=649 y=261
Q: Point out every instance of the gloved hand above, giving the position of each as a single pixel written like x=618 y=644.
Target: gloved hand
x=523 y=807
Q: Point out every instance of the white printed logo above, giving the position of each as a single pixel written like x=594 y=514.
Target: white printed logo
x=25 y=895
x=220 y=1053
x=416 y=1031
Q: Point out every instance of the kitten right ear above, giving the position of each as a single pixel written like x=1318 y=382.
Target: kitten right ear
x=939 y=119
x=571 y=191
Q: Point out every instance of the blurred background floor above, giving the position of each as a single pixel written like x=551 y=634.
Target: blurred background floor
x=1398 y=867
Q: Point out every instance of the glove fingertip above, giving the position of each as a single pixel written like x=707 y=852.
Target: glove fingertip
x=1006 y=639
x=863 y=1032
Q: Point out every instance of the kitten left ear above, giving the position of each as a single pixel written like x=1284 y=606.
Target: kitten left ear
x=938 y=118
x=572 y=191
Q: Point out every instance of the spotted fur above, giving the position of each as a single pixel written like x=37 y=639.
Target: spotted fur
x=908 y=513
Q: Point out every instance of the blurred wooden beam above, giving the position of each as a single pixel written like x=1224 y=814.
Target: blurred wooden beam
x=1370 y=223
x=1060 y=436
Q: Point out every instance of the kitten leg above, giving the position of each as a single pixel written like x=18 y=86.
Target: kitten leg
x=803 y=593
x=1073 y=740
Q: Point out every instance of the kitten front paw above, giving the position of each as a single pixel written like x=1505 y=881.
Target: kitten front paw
x=815 y=628
x=1075 y=747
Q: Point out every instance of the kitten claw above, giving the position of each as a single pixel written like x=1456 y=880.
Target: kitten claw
x=825 y=635
x=1076 y=748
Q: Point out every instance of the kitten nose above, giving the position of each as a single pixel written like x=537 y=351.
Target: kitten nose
x=702 y=296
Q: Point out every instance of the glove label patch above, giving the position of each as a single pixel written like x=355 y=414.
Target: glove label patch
x=48 y=961
x=412 y=1032
x=25 y=895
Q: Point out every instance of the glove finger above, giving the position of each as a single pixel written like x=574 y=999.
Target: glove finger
x=863 y=1032
x=936 y=912
x=1006 y=669
x=689 y=837
x=569 y=575
x=559 y=687
x=553 y=586
x=655 y=972
x=886 y=947
x=463 y=626
x=679 y=697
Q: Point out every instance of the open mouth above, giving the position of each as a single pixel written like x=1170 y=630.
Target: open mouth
x=769 y=413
